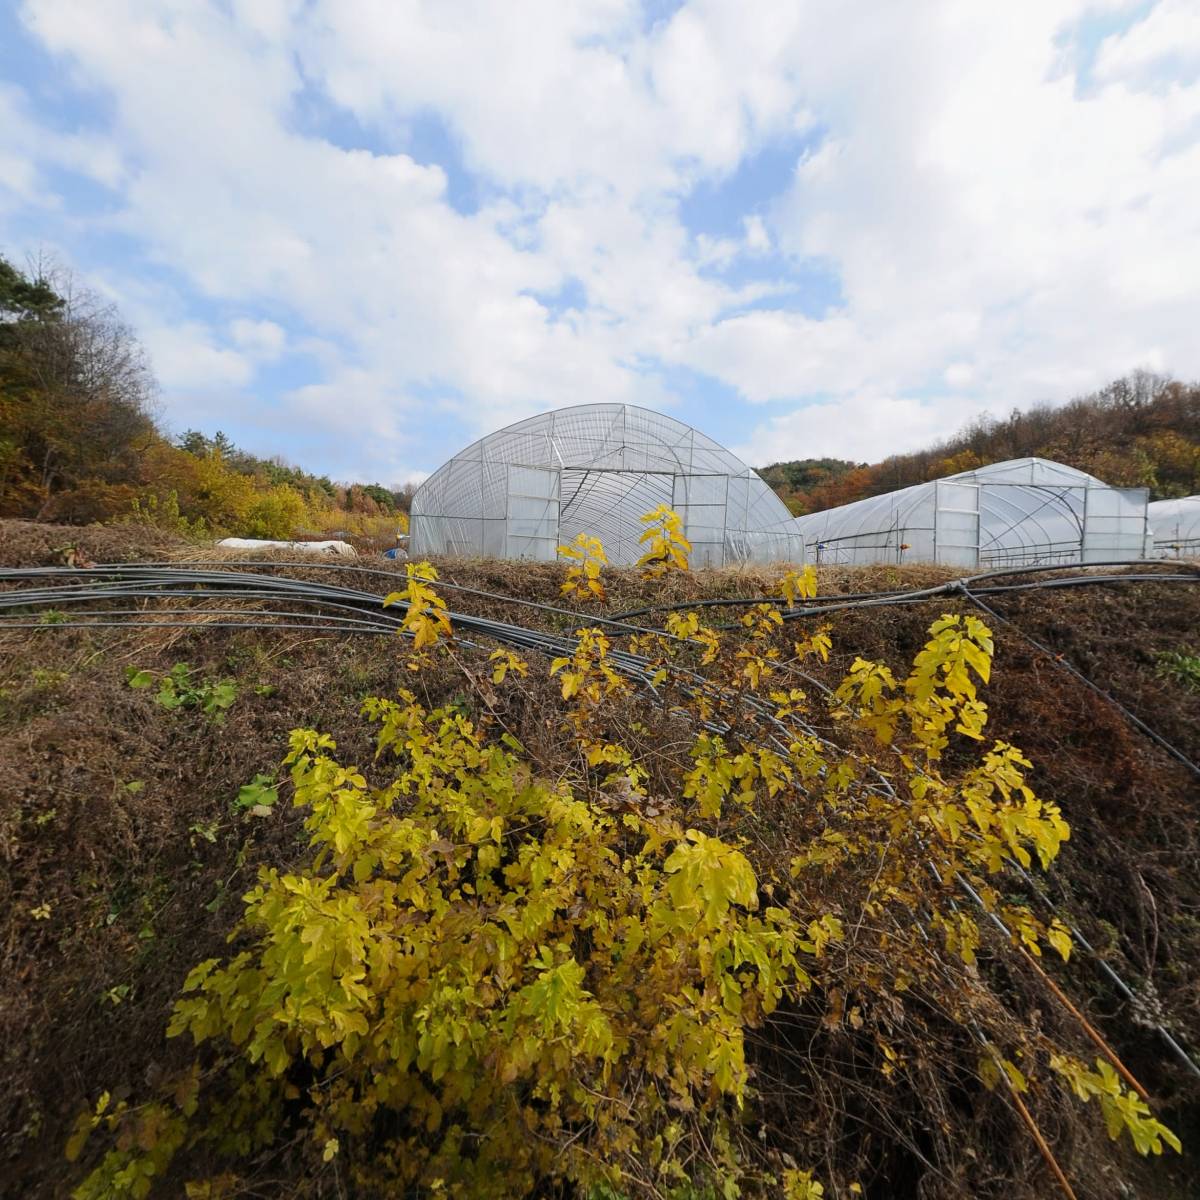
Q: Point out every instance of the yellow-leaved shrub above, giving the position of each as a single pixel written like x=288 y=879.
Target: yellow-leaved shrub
x=482 y=979
x=487 y=981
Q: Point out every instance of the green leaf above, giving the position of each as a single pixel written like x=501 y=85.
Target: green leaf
x=261 y=790
x=220 y=696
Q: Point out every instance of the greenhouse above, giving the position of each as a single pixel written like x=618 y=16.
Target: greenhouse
x=1175 y=527
x=524 y=490
x=1025 y=512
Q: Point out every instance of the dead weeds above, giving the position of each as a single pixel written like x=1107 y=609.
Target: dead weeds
x=116 y=820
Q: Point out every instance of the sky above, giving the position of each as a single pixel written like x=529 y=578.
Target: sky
x=363 y=233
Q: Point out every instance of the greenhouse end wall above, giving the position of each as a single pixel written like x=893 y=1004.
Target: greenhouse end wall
x=524 y=490
x=1175 y=527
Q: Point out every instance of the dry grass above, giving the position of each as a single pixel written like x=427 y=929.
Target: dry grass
x=143 y=881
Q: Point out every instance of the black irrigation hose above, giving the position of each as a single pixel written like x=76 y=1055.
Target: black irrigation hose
x=956 y=586
x=126 y=624
x=68 y=595
x=1082 y=581
x=166 y=581
x=18 y=600
x=351 y=624
x=946 y=588
x=750 y=601
x=167 y=577
x=996 y=572
x=336 y=597
x=399 y=579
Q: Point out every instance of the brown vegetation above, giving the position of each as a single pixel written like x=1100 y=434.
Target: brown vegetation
x=79 y=441
x=1141 y=431
x=116 y=820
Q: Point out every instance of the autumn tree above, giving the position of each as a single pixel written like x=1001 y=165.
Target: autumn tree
x=75 y=399
x=1142 y=430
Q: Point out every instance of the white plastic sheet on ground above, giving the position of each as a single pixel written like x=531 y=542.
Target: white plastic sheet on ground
x=330 y=547
x=596 y=468
x=1024 y=512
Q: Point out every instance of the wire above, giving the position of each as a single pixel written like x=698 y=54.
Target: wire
x=1079 y=675
x=946 y=588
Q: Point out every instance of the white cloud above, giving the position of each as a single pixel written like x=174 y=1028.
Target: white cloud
x=263 y=340
x=994 y=226
x=989 y=222
x=566 y=93
x=185 y=357
x=361 y=246
x=1168 y=34
x=865 y=426
x=27 y=150
x=758 y=240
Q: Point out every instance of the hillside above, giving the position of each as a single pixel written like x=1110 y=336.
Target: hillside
x=1141 y=431
x=80 y=442
x=128 y=840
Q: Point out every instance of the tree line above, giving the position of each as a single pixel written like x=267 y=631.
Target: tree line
x=1142 y=430
x=79 y=439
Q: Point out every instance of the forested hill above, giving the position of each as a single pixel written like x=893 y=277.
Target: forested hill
x=1139 y=431
x=79 y=441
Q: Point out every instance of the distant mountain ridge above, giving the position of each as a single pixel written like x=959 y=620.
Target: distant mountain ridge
x=1142 y=430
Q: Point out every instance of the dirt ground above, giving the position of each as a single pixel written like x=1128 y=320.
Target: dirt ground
x=116 y=821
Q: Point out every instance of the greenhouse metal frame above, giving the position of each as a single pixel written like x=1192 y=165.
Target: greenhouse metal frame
x=528 y=488
x=1024 y=512
x=1175 y=527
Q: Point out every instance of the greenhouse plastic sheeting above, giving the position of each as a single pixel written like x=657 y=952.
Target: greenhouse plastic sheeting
x=1024 y=512
x=1175 y=527
x=597 y=468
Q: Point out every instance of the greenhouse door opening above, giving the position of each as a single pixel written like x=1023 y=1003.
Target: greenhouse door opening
x=601 y=502
x=1066 y=524
x=700 y=501
x=1032 y=525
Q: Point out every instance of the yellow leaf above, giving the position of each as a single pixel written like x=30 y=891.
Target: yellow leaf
x=1059 y=936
